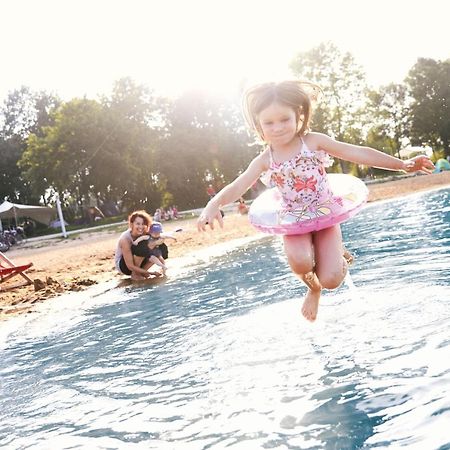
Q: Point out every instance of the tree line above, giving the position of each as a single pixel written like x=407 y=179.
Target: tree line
x=140 y=150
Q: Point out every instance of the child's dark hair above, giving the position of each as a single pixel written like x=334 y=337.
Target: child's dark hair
x=295 y=94
x=143 y=215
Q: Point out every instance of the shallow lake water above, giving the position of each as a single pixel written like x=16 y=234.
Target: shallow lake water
x=219 y=356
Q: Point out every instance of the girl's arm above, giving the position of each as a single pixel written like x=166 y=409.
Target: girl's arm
x=369 y=156
x=129 y=261
x=233 y=191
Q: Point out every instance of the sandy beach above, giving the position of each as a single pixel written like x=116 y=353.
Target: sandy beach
x=75 y=263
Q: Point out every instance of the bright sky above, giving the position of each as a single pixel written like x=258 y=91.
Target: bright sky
x=80 y=47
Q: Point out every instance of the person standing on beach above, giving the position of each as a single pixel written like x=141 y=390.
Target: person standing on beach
x=294 y=161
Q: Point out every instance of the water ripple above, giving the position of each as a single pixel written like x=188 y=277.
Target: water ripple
x=219 y=357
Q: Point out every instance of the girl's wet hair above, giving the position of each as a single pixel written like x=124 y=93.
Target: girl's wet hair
x=293 y=93
x=141 y=213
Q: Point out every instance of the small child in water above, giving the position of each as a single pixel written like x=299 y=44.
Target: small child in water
x=151 y=245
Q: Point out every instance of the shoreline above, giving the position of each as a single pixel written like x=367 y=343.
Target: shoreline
x=76 y=263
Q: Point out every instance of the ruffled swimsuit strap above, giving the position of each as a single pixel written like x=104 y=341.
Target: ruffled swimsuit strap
x=319 y=156
x=303 y=144
x=297 y=155
x=272 y=162
x=307 y=152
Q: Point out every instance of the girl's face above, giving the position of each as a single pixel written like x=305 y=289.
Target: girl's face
x=138 y=227
x=278 y=123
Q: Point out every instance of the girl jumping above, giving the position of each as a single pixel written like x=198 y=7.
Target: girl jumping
x=294 y=161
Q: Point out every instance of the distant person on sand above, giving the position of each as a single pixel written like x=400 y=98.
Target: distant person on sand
x=242 y=207
x=93 y=214
x=128 y=259
x=153 y=245
x=210 y=191
x=157 y=217
x=28 y=227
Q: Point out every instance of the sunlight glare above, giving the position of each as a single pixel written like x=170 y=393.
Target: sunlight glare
x=78 y=48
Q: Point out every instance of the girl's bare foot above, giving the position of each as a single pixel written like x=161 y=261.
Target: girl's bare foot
x=311 y=302
x=311 y=305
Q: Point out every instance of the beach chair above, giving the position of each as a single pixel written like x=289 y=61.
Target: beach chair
x=9 y=270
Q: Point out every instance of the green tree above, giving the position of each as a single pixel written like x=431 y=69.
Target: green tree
x=340 y=113
x=98 y=151
x=10 y=176
x=429 y=85
x=59 y=158
x=138 y=119
x=25 y=112
x=22 y=113
x=19 y=113
x=389 y=110
x=206 y=144
x=343 y=83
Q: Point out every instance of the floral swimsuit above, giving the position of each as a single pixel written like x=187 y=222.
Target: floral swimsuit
x=303 y=185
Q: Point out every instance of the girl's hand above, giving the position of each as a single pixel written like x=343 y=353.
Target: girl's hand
x=420 y=163
x=207 y=217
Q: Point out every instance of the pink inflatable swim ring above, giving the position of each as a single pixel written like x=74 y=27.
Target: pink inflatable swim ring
x=268 y=214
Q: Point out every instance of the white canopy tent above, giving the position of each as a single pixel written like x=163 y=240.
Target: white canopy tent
x=41 y=214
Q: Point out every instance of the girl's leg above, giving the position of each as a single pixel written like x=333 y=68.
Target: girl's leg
x=311 y=303
x=155 y=260
x=163 y=264
x=138 y=262
x=147 y=266
x=331 y=265
x=161 y=260
x=300 y=253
